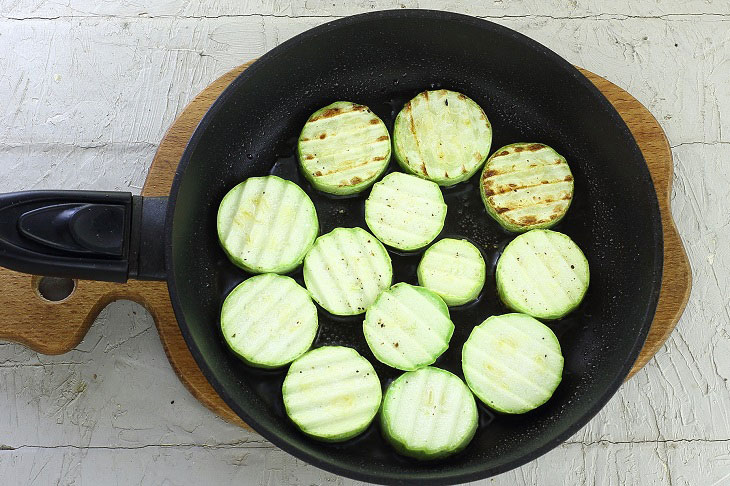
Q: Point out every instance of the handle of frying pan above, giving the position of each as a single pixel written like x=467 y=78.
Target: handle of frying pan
x=90 y=235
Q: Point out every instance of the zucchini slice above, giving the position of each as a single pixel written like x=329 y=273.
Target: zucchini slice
x=267 y=224
x=343 y=148
x=269 y=320
x=408 y=327
x=428 y=414
x=443 y=136
x=332 y=393
x=454 y=269
x=512 y=363
x=526 y=186
x=346 y=269
x=405 y=212
x=542 y=273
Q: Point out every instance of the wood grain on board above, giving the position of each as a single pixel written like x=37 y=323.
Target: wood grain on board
x=57 y=327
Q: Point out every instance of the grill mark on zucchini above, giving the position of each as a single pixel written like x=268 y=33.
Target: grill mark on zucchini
x=525 y=186
x=350 y=138
x=440 y=140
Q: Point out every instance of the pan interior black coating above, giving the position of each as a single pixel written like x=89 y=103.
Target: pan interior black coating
x=530 y=95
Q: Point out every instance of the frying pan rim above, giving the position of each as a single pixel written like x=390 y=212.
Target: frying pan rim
x=425 y=477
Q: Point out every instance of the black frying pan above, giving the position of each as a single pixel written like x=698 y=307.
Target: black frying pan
x=380 y=59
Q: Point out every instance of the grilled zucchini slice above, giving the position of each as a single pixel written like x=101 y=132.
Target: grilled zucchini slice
x=267 y=224
x=512 y=363
x=332 y=393
x=343 y=148
x=269 y=320
x=526 y=186
x=405 y=212
x=443 y=136
x=454 y=269
x=346 y=269
x=542 y=273
x=428 y=414
x=408 y=327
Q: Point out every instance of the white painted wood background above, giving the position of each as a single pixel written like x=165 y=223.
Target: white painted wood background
x=87 y=89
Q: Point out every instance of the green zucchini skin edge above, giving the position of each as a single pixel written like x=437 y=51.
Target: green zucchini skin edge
x=282 y=269
x=344 y=436
x=513 y=305
x=453 y=302
x=421 y=454
x=274 y=366
x=432 y=296
x=382 y=251
x=370 y=220
x=492 y=406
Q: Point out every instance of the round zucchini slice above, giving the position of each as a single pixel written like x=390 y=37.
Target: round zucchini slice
x=408 y=327
x=405 y=212
x=428 y=414
x=343 y=148
x=542 y=273
x=512 y=363
x=267 y=224
x=526 y=186
x=346 y=269
x=443 y=136
x=454 y=269
x=332 y=393
x=269 y=320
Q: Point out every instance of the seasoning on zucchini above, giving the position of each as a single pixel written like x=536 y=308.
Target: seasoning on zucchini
x=269 y=320
x=454 y=269
x=405 y=212
x=343 y=148
x=526 y=186
x=428 y=414
x=346 y=269
x=443 y=136
x=331 y=393
x=512 y=363
x=542 y=273
x=267 y=224
x=408 y=327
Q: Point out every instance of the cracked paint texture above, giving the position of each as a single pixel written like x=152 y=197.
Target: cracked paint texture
x=88 y=89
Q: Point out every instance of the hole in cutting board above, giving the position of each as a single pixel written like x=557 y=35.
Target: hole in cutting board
x=54 y=289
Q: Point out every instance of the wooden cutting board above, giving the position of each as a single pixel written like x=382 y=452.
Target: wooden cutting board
x=57 y=327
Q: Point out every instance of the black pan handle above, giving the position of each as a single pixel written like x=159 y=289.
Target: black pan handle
x=110 y=236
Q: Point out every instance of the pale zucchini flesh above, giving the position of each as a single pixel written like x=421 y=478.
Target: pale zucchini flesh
x=443 y=136
x=332 y=393
x=454 y=269
x=542 y=273
x=408 y=327
x=405 y=212
x=269 y=320
x=346 y=269
x=428 y=414
x=512 y=363
x=267 y=224
x=526 y=186
x=343 y=148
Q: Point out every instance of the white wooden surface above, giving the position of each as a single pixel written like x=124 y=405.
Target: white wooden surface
x=87 y=89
